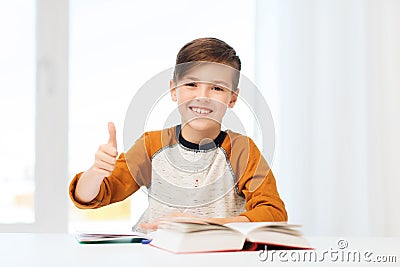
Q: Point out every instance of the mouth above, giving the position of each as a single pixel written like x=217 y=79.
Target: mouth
x=200 y=111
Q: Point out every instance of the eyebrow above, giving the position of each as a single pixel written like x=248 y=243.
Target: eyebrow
x=213 y=82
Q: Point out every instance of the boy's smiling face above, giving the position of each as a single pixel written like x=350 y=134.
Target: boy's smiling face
x=203 y=94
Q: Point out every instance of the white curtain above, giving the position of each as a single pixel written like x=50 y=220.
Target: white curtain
x=330 y=70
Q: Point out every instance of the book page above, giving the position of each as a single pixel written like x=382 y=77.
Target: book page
x=247 y=227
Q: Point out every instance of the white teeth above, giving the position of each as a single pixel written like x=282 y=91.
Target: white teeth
x=201 y=111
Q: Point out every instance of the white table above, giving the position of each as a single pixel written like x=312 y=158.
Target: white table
x=63 y=250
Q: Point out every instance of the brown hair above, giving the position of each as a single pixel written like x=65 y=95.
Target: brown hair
x=208 y=50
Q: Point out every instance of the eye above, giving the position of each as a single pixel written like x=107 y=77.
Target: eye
x=217 y=88
x=192 y=84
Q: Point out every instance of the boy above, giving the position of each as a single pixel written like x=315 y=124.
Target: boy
x=192 y=169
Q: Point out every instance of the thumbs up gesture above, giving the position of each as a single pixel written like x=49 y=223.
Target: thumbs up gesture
x=106 y=155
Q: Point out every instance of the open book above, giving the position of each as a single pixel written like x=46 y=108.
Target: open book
x=187 y=235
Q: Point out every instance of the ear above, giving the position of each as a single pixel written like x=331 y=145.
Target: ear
x=172 y=90
x=234 y=97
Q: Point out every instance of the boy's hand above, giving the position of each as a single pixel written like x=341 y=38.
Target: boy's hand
x=106 y=156
x=154 y=225
x=88 y=185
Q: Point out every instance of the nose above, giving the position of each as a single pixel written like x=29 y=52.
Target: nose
x=203 y=91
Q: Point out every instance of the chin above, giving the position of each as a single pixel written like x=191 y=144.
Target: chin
x=203 y=124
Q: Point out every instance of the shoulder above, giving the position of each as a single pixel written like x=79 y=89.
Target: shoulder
x=147 y=145
x=156 y=140
x=242 y=153
x=238 y=142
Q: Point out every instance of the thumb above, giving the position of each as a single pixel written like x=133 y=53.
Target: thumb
x=113 y=135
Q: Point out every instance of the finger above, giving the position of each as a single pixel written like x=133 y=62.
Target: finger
x=104 y=166
x=149 y=226
x=113 y=134
x=106 y=157
x=108 y=149
x=101 y=172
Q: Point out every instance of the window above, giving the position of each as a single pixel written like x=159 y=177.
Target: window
x=33 y=78
x=17 y=111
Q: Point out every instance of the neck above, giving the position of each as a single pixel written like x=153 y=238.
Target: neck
x=197 y=136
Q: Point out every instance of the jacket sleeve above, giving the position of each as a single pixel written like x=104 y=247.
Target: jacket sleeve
x=132 y=170
x=257 y=183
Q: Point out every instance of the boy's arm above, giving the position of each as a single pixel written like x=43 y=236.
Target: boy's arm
x=131 y=171
x=257 y=184
x=88 y=185
x=116 y=187
x=262 y=199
